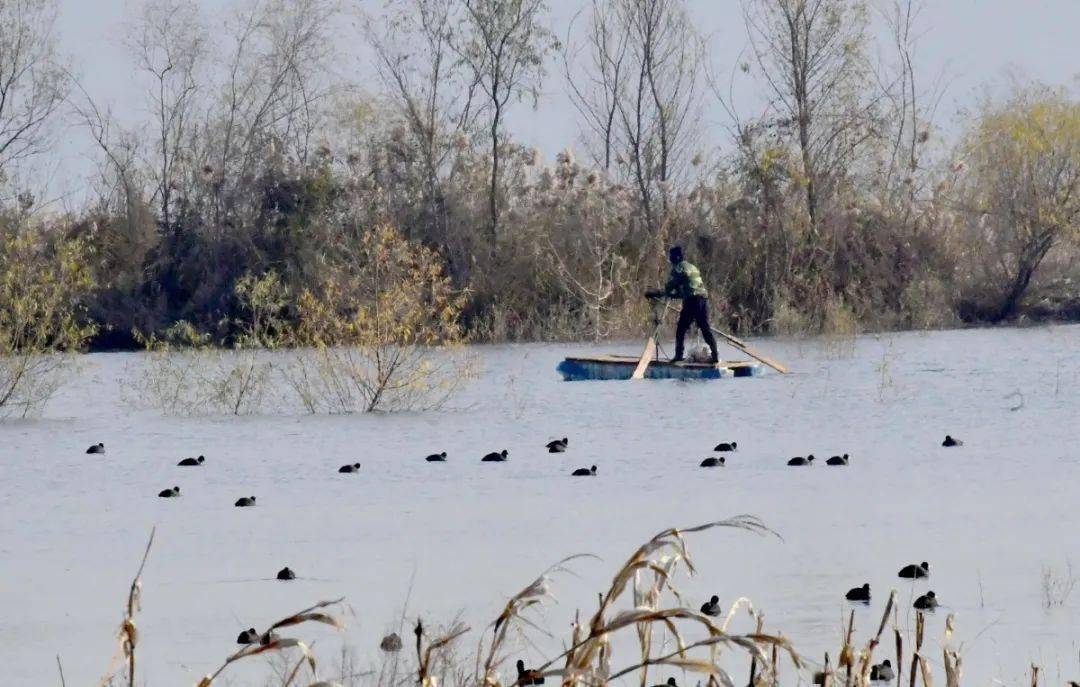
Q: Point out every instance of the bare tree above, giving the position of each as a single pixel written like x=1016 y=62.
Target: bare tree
x=277 y=63
x=912 y=104
x=506 y=45
x=33 y=78
x=604 y=70
x=640 y=94
x=263 y=103
x=225 y=106
x=119 y=174
x=810 y=53
x=434 y=94
x=168 y=40
x=120 y=192
x=277 y=58
x=660 y=106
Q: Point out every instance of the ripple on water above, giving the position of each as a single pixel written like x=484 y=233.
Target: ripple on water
x=987 y=516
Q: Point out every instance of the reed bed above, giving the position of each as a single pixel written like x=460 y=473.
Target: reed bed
x=641 y=625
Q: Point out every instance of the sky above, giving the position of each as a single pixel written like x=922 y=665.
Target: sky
x=972 y=43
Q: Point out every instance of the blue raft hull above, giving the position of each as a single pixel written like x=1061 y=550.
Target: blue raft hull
x=620 y=367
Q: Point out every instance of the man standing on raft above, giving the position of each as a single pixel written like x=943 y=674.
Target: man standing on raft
x=685 y=283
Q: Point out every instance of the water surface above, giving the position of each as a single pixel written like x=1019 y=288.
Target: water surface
x=989 y=516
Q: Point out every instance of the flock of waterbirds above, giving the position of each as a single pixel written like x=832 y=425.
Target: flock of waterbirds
x=879 y=672
x=926 y=602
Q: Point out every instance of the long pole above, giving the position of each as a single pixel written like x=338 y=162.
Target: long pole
x=742 y=346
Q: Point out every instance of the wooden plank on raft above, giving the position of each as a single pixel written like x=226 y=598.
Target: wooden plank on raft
x=646 y=357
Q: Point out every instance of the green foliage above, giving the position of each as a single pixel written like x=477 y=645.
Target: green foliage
x=244 y=208
x=1021 y=188
x=379 y=330
x=43 y=289
x=186 y=372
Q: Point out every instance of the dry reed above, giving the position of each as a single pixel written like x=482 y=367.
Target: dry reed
x=647 y=577
x=269 y=642
x=642 y=602
x=128 y=635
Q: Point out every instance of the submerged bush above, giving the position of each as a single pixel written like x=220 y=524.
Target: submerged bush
x=185 y=372
x=43 y=289
x=379 y=329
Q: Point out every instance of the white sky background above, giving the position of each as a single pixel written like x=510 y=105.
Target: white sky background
x=975 y=42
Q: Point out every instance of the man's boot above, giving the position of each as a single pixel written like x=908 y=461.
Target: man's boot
x=678 y=353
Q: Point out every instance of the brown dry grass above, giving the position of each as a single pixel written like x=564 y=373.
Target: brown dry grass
x=641 y=608
x=128 y=634
x=270 y=642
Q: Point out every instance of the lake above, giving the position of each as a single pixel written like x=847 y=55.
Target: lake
x=458 y=538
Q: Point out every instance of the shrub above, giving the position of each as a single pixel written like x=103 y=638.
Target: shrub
x=380 y=330
x=1021 y=190
x=189 y=373
x=42 y=313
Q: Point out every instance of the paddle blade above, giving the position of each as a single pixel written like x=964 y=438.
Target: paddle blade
x=779 y=367
x=647 y=357
x=737 y=343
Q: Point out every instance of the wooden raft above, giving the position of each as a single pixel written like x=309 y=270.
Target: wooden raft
x=620 y=367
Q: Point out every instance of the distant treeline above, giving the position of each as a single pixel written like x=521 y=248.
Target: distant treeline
x=840 y=207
